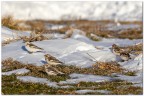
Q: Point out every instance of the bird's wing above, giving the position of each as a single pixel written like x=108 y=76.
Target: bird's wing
x=55 y=60
x=34 y=46
x=50 y=68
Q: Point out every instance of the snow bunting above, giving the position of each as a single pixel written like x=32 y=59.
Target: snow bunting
x=52 y=60
x=52 y=71
x=125 y=56
x=116 y=50
x=32 y=48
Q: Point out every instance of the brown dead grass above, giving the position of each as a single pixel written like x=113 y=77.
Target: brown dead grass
x=36 y=25
x=9 y=41
x=131 y=34
x=127 y=90
x=111 y=66
x=11 y=23
x=134 y=49
x=99 y=28
x=39 y=37
x=21 y=88
x=96 y=27
x=100 y=68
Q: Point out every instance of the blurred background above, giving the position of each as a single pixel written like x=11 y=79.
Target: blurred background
x=105 y=19
x=123 y=11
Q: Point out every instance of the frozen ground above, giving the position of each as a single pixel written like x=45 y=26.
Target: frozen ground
x=73 y=10
x=137 y=80
x=17 y=71
x=69 y=51
x=79 y=51
x=76 y=78
x=91 y=91
x=9 y=34
x=37 y=80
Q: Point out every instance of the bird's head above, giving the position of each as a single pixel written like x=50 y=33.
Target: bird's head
x=114 y=45
x=47 y=55
x=27 y=43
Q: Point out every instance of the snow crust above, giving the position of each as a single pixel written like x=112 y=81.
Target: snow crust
x=9 y=34
x=79 y=51
x=87 y=91
x=17 y=71
x=76 y=78
x=37 y=80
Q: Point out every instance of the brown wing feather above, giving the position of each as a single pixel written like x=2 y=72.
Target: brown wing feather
x=50 y=68
x=34 y=46
x=54 y=59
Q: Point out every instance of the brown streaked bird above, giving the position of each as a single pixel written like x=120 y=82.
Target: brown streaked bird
x=52 y=60
x=50 y=70
x=32 y=48
x=116 y=49
x=125 y=56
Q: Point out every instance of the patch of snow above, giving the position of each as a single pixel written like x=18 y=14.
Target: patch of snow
x=78 y=59
x=104 y=56
x=87 y=91
x=58 y=36
x=76 y=78
x=73 y=10
x=69 y=51
x=37 y=80
x=67 y=86
x=103 y=91
x=9 y=34
x=17 y=71
x=64 y=46
x=53 y=26
x=113 y=27
x=137 y=80
x=55 y=35
x=106 y=43
x=57 y=48
x=84 y=91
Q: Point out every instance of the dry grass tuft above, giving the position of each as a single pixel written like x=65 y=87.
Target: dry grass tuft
x=38 y=71
x=11 y=23
x=19 y=87
x=130 y=34
x=39 y=37
x=98 y=28
x=127 y=90
x=9 y=41
x=135 y=49
x=112 y=67
x=100 y=68
x=37 y=25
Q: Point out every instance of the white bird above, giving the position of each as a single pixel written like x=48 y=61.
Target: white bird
x=32 y=48
x=125 y=56
x=52 y=60
x=52 y=71
x=116 y=49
